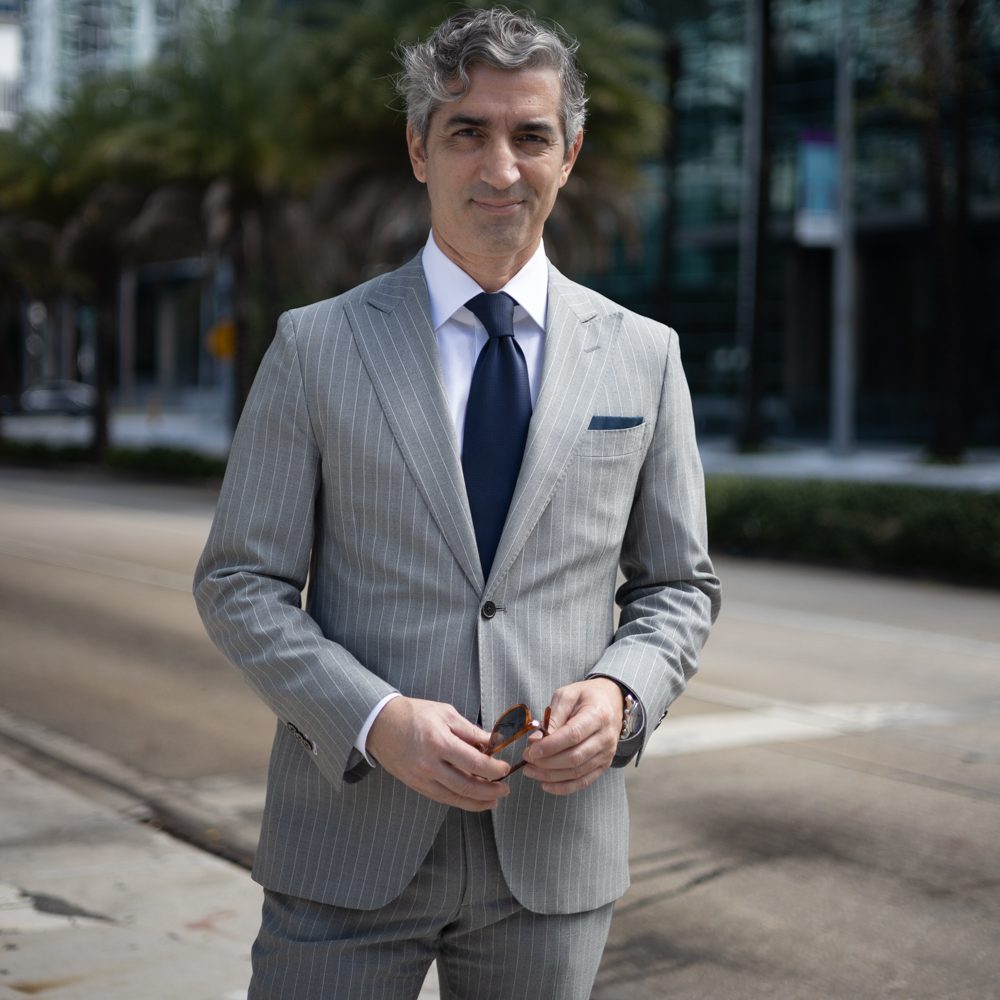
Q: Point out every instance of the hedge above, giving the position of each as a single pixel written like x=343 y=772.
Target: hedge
x=920 y=530
x=157 y=462
x=928 y=531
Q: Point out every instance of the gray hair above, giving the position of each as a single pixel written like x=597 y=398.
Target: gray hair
x=495 y=37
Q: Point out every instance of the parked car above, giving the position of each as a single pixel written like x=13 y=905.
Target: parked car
x=59 y=396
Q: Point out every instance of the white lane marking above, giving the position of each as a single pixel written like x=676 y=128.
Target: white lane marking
x=766 y=721
x=855 y=628
x=88 y=562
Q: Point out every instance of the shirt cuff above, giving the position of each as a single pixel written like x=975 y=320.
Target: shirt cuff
x=359 y=743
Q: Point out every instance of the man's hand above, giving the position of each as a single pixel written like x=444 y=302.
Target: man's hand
x=435 y=751
x=583 y=734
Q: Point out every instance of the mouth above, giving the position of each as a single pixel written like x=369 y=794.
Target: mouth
x=507 y=207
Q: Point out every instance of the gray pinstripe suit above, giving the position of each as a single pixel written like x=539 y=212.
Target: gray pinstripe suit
x=345 y=471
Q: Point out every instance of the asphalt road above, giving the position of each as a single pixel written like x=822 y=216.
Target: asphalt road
x=817 y=818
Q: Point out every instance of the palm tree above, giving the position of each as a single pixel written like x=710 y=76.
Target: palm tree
x=60 y=217
x=222 y=117
x=369 y=206
x=286 y=133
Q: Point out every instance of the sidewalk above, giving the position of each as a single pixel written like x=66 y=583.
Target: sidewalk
x=869 y=463
x=97 y=905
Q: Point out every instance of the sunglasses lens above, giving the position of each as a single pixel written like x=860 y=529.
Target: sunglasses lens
x=510 y=723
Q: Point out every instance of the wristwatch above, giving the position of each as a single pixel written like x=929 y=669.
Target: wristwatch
x=630 y=717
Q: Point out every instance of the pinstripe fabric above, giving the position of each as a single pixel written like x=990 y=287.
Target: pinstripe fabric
x=345 y=470
x=457 y=910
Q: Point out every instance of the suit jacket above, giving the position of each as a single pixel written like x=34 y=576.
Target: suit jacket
x=345 y=472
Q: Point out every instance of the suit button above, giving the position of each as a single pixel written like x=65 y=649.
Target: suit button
x=489 y=610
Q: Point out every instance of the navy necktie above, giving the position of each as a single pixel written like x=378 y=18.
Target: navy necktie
x=496 y=423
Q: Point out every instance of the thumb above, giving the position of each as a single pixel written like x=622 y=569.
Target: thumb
x=469 y=732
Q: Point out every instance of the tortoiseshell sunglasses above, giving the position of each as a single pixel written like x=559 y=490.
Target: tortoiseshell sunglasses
x=510 y=727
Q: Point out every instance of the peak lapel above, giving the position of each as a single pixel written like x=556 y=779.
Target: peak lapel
x=393 y=332
x=576 y=341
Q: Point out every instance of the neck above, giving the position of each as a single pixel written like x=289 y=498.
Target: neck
x=490 y=273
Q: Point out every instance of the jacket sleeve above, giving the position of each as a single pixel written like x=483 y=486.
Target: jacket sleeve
x=671 y=594
x=250 y=579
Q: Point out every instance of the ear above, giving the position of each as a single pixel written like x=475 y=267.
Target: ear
x=418 y=154
x=569 y=159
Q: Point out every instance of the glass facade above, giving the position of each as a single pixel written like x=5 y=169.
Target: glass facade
x=918 y=118
x=67 y=40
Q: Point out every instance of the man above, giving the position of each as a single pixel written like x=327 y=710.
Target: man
x=460 y=500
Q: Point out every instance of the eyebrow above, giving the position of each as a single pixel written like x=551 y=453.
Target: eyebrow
x=476 y=121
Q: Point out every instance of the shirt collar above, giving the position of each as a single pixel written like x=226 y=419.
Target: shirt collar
x=449 y=287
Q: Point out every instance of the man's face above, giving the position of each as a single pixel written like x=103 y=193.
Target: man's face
x=493 y=163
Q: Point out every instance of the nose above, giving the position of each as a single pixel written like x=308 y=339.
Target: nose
x=499 y=166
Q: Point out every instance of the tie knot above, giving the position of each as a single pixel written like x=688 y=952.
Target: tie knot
x=495 y=310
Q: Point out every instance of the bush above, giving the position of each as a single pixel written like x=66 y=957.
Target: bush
x=928 y=531
x=945 y=533
x=38 y=453
x=157 y=462
x=167 y=463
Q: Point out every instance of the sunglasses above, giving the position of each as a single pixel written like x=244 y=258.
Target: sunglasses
x=510 y=727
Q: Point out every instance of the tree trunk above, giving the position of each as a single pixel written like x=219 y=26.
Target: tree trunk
x=949 y=428
x=672 y=72
x=106 y=325
x=252 y=286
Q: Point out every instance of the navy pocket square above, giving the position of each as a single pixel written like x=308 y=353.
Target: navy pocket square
x=613 y=423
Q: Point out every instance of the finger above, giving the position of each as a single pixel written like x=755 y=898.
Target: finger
x=468 y=732
x=569 y=787
x=569 y=734
x=563 y=705
x=441 y=793
x=471 y=792
x=570 y=766
x=472 y=761
x=578 y=730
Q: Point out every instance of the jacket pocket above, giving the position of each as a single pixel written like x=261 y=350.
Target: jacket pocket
x=612 y=442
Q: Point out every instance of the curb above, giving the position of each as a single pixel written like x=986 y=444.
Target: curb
x=209 y=814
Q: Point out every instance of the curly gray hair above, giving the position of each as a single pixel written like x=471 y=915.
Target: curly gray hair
x=494 y=37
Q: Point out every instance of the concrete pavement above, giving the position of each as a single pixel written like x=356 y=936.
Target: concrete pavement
x=816 y=822
x=96 y=903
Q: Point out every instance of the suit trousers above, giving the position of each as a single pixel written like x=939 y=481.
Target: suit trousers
x=457 y=910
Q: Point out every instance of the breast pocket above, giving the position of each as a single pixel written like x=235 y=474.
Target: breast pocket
x=596 y=496
x=613 y=442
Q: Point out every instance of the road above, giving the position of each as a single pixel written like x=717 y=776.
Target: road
x=817 y=818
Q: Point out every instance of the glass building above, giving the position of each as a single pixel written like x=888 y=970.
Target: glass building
x=925 y=194
x=67 y=40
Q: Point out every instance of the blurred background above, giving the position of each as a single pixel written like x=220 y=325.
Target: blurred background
x=807 y=190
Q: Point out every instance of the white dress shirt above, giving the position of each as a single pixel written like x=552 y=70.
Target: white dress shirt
x=460 y=338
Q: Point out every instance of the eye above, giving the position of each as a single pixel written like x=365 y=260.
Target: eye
x=535 y=139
